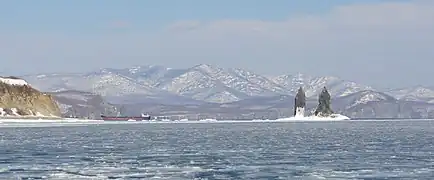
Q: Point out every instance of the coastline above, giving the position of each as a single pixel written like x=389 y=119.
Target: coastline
x=37 y=122
x=32 y=117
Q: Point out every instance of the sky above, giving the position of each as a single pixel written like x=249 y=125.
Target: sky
x=375 y=42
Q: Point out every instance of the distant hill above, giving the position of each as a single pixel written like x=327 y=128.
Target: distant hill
x=74 y=103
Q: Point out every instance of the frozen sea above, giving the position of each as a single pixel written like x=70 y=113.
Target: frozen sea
x=248 y=150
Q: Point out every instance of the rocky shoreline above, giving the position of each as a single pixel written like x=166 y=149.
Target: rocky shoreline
x=30 y=117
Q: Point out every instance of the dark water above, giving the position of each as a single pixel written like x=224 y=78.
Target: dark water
x=326 y=150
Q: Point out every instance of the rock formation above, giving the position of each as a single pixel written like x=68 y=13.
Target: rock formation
x=81 y=104
x=300 y=102
x=17 y=98
x=324 y=108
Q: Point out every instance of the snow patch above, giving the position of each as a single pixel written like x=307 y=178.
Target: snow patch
x=13 y=81
x=208 y=120
x=299 y=112
x=369 y=97
x=14 y=113
x=332 y=117
x=134 y=70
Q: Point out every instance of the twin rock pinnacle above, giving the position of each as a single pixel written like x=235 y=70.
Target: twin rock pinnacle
x=323 y=109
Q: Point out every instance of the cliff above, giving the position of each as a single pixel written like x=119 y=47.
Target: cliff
x=18 y=98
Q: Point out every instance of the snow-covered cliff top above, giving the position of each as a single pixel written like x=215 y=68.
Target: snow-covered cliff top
x=13 y=81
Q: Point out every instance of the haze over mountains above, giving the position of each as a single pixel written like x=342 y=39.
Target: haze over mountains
x=230 y=93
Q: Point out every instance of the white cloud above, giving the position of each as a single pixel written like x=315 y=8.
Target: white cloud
x=373 y=19
x=359 y=38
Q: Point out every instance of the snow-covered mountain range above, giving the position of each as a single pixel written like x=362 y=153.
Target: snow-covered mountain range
x=213 y=89
x=417 y=93
x=202 y=82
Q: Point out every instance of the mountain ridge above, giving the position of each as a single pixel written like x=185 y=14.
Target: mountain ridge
x=202 y=82
x=206 y=88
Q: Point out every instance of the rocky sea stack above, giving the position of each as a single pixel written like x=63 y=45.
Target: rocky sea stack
x=300 y=102
x=324 y=101
x=19 y=99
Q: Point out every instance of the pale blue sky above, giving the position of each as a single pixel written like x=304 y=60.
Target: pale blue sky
x=370 y=41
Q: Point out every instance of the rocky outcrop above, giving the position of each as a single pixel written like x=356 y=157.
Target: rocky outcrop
x=17 y=98
x=324 y=104
x=82 y=104
x=300 y=102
